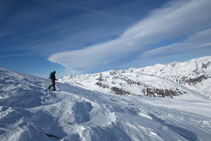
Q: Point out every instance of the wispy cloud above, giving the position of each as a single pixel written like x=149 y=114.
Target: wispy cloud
x=198 y=41
x=56 y=26
x=85 y=8
x=15 y=55
x=174 y=20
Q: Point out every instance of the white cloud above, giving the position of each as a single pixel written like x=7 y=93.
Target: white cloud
x=15 y=55
x=197 y=41
x=86 y=8
x=175 y=19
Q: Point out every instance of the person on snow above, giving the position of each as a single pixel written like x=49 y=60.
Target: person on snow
x=53 y=80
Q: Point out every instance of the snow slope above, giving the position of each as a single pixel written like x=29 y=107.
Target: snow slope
x=126 y=83
x=28 y=111
x=194 y=74
x=170 y=80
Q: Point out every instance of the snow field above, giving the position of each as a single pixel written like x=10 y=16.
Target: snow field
x=29 y=111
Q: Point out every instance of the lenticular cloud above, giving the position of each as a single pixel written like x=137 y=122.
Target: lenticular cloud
x=173 y=20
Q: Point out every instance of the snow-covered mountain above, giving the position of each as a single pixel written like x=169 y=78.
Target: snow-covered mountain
x=174 y=79
x=30 y=112
x=194 y=74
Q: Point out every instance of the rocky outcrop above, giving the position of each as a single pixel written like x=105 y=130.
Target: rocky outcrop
x=119 y=91
x=102 y=85
x=193 y=81
x=163 y=92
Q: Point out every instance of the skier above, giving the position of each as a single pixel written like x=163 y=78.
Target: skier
x=53 y=80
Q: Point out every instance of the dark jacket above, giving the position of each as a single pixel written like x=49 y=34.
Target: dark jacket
x=53 y=77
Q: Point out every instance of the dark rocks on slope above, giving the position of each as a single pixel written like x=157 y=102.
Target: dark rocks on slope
x=119 y=91
x=163 y=92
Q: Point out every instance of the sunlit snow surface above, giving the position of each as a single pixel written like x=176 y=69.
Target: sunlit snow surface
x=30 y=112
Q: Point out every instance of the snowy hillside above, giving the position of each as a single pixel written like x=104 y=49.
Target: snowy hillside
x=127 y=82
x=194 y=74
x=30 y=112
x=170 y=80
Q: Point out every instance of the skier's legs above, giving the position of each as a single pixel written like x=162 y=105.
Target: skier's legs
x=49 y=87
x=53 y=84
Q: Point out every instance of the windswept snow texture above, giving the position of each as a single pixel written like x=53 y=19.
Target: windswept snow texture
x=170 y=80
x=30 y=112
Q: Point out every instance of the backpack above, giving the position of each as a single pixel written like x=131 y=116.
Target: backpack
x=50 y=75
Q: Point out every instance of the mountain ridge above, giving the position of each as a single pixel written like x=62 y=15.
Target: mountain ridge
x=194 y=74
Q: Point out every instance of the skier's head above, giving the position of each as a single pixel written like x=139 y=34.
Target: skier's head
x=54 y=72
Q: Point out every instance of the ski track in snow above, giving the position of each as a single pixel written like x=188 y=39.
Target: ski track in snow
x=28 y=111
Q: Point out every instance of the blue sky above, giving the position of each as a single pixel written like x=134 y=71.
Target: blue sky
x=88 y=36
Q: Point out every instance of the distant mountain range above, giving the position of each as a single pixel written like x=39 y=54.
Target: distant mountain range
x=170 y=80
